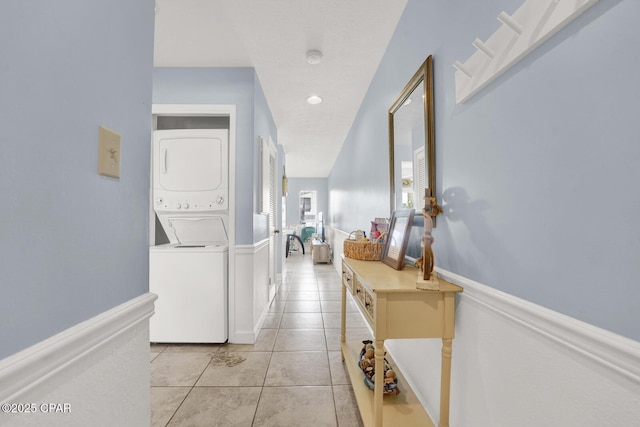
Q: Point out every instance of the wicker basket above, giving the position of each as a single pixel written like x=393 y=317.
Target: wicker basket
x=364 y=250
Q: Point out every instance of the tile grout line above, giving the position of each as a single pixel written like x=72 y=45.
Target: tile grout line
x=191 y=389
x=264 y=380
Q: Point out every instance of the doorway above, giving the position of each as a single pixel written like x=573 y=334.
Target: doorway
x=308 y=207
x=268 y=178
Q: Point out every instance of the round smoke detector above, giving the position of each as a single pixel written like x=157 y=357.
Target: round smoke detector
x=314 y=100
x=314 y=57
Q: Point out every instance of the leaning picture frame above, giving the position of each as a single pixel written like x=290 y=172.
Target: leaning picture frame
x=395 y=246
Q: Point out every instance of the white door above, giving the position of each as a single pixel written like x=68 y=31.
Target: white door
x=269 y=166
x=283 y=235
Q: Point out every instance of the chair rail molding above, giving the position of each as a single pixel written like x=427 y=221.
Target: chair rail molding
x=617 y=353
x=45 y=362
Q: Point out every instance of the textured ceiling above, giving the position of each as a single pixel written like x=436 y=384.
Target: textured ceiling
x=273 y=37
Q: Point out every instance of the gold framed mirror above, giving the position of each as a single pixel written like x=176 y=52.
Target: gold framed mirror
x=412 y=152
x=412 y=142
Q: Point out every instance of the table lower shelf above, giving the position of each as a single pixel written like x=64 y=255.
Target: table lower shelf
x=397 y=410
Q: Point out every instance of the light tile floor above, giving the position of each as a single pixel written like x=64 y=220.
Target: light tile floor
x=292 y=376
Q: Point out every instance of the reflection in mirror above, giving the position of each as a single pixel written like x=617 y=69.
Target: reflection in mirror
x=408 y=151
x=412 y=150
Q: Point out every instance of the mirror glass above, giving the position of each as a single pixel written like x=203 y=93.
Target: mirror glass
x=411 y=150
x=408 y=151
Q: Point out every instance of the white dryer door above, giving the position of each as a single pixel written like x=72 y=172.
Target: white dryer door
x=191 y=159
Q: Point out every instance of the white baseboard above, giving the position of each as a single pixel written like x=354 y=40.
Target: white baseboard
x=93 y=367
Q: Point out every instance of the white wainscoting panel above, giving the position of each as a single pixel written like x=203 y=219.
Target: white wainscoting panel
x=260 y=285
x=251 y=296
x=98 y=368
x=518 y=364
x=336 y=239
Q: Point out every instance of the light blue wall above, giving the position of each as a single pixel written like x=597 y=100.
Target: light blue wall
x=240 y=87
x=320 y=185
x=73 y=244
x=537 y=173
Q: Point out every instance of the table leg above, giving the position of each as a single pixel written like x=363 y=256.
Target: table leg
x=379 y=383
x=445 y=382
x=343 y=320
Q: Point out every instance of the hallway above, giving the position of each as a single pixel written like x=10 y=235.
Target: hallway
x=292 y=375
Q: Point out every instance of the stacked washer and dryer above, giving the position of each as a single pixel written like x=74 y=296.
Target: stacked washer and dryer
x=190 y=273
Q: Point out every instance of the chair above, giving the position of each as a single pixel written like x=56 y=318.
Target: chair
x=292 y=244
x=307 y=233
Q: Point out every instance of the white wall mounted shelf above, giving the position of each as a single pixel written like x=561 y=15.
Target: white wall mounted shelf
x=531 y=25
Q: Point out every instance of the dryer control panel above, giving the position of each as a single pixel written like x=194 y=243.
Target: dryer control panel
x=183 y=203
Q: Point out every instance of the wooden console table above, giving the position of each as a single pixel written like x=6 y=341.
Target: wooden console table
x=395 y=308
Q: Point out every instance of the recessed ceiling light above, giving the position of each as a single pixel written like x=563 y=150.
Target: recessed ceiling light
x=314 y=99
x=314 y=57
